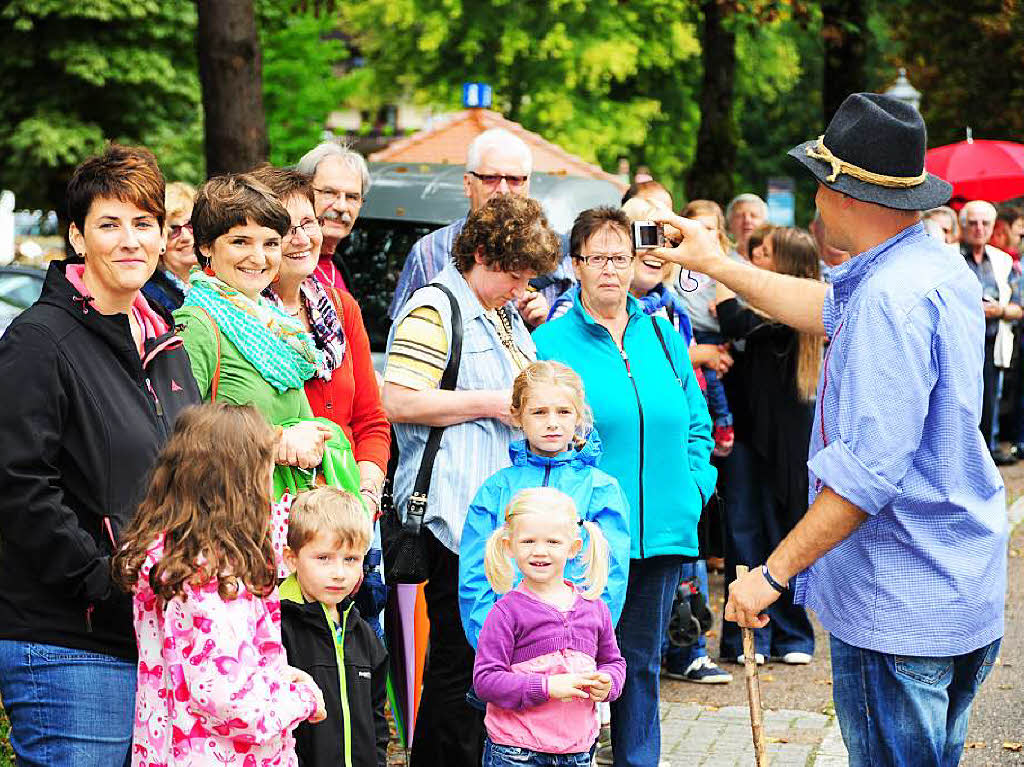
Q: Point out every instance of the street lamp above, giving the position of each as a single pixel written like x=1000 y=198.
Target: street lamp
x=902 y=90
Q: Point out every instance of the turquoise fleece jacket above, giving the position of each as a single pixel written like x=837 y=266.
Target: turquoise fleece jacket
x=653 y=420
x=598 y=499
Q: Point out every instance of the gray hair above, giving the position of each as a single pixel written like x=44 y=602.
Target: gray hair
x=497 y=138
x=984 y=205
x=742 y=198
x=943 y=210
x=311 y=160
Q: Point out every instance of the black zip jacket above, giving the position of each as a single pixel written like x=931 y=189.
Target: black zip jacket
x=82 y=420
x=358 y=711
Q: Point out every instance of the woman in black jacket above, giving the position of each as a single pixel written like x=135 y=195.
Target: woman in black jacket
x=91 y=380
x=779 y=377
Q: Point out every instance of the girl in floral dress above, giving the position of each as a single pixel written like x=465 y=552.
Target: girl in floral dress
x=214 y=685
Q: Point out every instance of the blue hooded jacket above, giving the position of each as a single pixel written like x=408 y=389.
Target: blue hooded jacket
x=652 y=417
x=598 y=499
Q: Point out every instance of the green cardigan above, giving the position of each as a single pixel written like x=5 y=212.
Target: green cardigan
x=239 y=383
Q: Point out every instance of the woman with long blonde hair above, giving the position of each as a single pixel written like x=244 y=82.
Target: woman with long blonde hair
x=780 y=375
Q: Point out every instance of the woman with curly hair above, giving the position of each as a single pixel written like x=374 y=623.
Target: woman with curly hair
x=504 y=244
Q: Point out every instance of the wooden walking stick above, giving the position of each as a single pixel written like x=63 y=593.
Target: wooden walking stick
x=753 y=686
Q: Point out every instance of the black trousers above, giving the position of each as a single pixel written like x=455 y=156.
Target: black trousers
x=449 y=731
x=989 y=404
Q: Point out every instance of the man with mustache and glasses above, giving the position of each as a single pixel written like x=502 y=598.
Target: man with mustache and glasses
x=497 y=162
x=340 y=182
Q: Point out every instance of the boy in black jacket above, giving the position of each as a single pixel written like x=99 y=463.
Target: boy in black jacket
x=328 y=535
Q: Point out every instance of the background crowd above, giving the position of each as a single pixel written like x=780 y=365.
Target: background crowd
x=699 y=410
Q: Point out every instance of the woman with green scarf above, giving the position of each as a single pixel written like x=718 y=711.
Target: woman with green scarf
x=243 y=349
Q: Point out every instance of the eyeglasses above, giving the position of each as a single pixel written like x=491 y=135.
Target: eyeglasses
x=493 y=179
x=311 y=227
x=175 y=231
x=619 y=261
x=330 y=195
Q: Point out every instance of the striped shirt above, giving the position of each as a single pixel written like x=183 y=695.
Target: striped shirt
x=896 y=433
x=419 y=351
x=471 y=451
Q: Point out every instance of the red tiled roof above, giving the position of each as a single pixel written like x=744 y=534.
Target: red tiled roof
x=448 y=142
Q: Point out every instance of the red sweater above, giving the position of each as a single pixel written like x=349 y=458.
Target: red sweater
x=352 y=398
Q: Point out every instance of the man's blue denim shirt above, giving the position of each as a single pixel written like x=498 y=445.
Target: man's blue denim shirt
x=896 y=433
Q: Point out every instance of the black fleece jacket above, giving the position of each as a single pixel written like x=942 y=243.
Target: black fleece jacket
x=309 y=641
x=81 y=422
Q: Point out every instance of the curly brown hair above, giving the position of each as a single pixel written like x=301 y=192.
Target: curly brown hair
x=514 y=235
x=209 y=496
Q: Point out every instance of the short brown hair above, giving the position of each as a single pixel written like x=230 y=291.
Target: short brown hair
x=513 y=233
x=332 y=511
x=126 y=173
x=231 y=200
x=591 y=221
x=285 y=182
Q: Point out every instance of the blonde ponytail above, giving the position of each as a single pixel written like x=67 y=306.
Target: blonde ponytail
x=595 y=561
x=497 y=562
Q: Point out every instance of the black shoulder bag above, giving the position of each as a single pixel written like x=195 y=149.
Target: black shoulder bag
x=405 y=550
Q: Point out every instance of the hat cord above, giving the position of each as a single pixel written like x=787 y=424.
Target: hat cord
x=822 y=152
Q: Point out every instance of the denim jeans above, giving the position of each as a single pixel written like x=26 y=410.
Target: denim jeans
x=68 y=708
x=636 y=728
x=718 y=405
x=678 y=659
x=754 y=526
x=903 y=711
x=497 y=755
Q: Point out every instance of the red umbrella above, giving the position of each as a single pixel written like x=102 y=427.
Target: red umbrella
x=980 y=170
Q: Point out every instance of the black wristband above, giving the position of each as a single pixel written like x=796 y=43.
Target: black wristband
x=771 y=581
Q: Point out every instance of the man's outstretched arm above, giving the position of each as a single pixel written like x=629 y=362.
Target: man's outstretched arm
x=790 y=300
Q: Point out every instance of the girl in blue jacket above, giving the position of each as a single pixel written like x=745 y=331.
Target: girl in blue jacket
x=560 y=450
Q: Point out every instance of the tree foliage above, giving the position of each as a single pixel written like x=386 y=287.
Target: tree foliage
x=77 y=73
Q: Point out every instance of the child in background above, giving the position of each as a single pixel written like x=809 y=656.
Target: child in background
x=213 y=684
x=329 y=533
x=547 y=652
x=560 y=450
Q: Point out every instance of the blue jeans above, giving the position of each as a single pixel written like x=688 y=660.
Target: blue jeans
x=717 y=402
x=754 y=526
x=497 y=755
x=678 y=659
x=897 y=710
x=636 y=727
x=68 y=708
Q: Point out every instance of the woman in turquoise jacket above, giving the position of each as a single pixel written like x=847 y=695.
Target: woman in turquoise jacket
x=656 y=430
x=598 y=499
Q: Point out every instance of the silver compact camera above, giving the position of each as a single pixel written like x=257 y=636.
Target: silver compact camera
x=647 y=235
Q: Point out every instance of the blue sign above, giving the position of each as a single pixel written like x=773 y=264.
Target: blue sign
x=781 y=201
x=476 y=95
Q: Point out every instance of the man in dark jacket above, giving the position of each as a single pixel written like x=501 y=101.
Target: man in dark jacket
x=324 y=635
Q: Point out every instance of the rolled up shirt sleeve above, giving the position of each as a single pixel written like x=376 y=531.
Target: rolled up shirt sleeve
x=885 y=376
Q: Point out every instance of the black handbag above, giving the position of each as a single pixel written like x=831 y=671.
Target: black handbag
x=403 y=542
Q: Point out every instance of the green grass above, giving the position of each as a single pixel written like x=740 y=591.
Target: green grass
x=6 y=752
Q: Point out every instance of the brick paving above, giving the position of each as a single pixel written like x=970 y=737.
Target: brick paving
x=693 y=734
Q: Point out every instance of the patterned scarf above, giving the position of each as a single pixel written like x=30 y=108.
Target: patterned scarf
x=274 y=343
x=327 y=328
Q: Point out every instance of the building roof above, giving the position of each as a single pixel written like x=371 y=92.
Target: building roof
x=447 y=142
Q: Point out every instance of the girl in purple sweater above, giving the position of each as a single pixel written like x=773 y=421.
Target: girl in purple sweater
x=547 y=652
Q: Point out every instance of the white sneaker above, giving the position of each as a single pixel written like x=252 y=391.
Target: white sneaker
x=758 y=657
x=796 y=658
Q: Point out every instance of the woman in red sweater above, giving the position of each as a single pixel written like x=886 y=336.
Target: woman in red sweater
x=347 y=393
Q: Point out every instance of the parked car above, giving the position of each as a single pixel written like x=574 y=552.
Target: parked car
x=409 y=200
x=20 y=287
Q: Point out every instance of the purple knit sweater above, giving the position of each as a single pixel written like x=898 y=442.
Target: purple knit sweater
x=521 y=627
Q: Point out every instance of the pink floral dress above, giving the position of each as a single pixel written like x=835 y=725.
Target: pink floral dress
x=212 y=683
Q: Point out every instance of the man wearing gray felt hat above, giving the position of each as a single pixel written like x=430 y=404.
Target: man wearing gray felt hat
x=902 y=552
